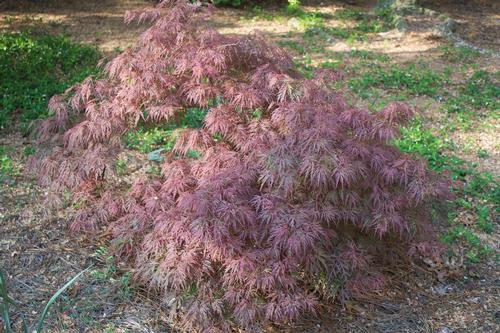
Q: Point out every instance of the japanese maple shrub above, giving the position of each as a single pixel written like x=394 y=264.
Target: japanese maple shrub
x=292 y=199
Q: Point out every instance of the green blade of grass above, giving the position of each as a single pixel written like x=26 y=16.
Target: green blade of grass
x=5 y=317
x=5 y=310
x=54 y=298
x=5 y=303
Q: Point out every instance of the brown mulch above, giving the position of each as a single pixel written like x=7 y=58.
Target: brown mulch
x=39 y=254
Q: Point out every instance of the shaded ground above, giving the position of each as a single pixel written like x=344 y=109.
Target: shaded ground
x=477 y=20
x=93 y=21
x=39 y=255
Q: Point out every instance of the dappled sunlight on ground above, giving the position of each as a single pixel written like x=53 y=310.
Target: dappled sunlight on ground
x=95 y=22
x=40 y=255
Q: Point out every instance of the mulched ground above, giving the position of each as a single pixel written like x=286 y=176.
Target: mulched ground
x=40 y=255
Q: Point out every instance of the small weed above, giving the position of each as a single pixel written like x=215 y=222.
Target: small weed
x=367 y=55
x=482 y=153
x=305 y=66
x=8 y=168
x=330 y=64
x=293 y=45
x=193 y=154
x=367 y=22
x=370 y=26
x=480 y=91
x=459 y=54
x=6 y=165
x=321 y=33
x=484 y=218
x=232 y=3
x=121 y=166
x=126 y=285
x=293 y=7
x=350 y=14
x=109 y=273
x=259 y=13
x=460 y=231
x=109 y=270
x=154 y=169
x=476 y=251
x=29 y=150
x=110 y=328
x=308 y=20
x=416 y=79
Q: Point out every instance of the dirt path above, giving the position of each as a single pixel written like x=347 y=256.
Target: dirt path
x=40 y=255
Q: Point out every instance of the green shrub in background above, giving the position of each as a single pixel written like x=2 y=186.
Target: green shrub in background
x=232 y=3
x=35 y=67
x=292 y=4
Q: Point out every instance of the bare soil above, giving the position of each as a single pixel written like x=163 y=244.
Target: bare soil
x=39 y=254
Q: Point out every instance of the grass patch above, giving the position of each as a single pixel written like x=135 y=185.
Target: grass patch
x=147 y=139
x=476 y=99
x=366 y=56
x=8 y=168
x=479 y=91
x=416 y=139
x=321 y=33
x=150 y=138
x=477 y=193
x=357 y=24
x=459 y=54
x=365 y=24
x=369 y=22
x=415 y=79
x=292 y=11
x=35 y=67
x=257 y=13
x=476 y=249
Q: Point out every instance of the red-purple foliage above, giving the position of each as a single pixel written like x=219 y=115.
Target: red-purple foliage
x=280 y=214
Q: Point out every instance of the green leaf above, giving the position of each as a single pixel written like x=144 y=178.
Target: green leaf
x=5 y=303
x=54 y=298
